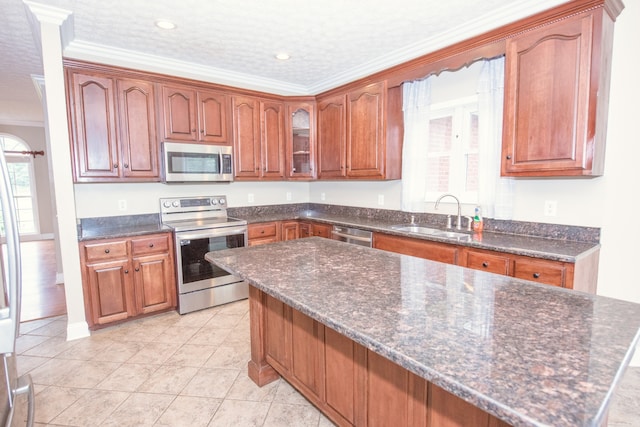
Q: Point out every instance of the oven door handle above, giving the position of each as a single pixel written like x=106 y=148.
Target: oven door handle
x=211 y=232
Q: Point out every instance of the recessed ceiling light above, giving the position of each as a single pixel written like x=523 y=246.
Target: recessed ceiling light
x=282 y=56
x=165 y=24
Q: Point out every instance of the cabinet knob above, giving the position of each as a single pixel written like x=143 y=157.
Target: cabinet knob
x=126 y=165
x=485 y=264
x=202 y=131
x=194 y=130
x=150 y=245
x=126 y=272
x=536 y=275
x=115 y=166
x=106 y=251
x=137 y=268
x=508 y=156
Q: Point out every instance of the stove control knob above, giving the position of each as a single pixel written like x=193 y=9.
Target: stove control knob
x=214 y=202
x=222 y=201
x=175 y=204
x=166 y=204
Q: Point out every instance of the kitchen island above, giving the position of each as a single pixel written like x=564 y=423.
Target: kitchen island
x=373 y=337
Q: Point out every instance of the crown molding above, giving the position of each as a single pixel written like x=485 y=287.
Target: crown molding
x=93 y=52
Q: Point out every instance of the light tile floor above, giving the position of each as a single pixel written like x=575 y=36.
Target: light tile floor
x=173 y=370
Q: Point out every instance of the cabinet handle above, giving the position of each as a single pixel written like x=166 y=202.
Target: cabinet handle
x=194 y=130
x=106 y=251
x=115 y=166
x=536 y=275
x=508 y=156
x=126 y=165
x=485 y=264
x=202 y=131
x=262 y=232
x=150 y=245
x=137 y=268
x=126 y=272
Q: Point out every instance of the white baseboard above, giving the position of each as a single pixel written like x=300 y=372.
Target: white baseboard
x=635 y=360
x=77 y=330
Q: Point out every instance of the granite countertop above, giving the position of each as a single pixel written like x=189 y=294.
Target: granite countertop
x=529 y=354
x=125 y=230
x=545 y=248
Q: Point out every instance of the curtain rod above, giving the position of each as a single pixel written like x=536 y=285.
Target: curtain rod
x=32 y=153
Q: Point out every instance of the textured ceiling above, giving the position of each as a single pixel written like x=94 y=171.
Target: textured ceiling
x=331 y=42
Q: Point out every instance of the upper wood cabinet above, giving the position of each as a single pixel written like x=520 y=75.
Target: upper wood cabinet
x=113 y=128
x=556 y=97
x=360 y=134
x=300 y=140
x=259 y=138
x=195 y=115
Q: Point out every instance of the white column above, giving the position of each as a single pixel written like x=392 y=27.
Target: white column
x=51 y=21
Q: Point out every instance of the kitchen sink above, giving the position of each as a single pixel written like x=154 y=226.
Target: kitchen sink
x=428 y=231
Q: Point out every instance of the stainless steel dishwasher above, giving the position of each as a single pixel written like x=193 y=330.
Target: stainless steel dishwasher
x=352 y=235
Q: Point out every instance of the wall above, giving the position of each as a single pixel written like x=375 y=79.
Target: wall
x=35 y=137
x=96 y=200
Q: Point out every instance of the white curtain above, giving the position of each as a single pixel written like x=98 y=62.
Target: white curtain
x=416 y=103
x=495 y=194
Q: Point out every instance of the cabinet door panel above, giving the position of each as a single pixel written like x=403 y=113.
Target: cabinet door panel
x=111 y=293
x=365 y=131
x=212 y=109
x=179 y=113
x=341 y=368
x=448 y=410
x=153 y=283
x=548 y=76
x=331 y=138
x=272 y=139
x=306 y=351
x=246 y=137
x=278 y=330
x=94 y=122
x=441 y=252
x=493 y=263
x=138 y=139
x=290 y=230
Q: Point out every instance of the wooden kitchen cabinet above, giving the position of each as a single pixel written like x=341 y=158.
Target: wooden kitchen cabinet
x=290 y=230
x=434 y=251
x=264 y=232
x=300 y=134
x=556 y=97
x=112 y=127
x=489 y=261
x=360 y=134
x=195 y=115
x=541 y=271
x=124 y=278
x=319 y=229
x=259 y=139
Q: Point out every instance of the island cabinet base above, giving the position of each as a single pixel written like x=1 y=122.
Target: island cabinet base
x=351 y=385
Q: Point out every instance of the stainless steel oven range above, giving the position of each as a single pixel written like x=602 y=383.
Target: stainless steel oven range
x=201 y=225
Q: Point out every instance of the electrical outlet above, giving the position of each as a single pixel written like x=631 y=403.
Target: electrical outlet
x=250 y=198
x=381 y=199
x=323 y=196
x=550 y=208
x=288 y=196
x=122 y=205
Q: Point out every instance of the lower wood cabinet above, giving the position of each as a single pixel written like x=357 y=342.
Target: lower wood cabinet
x=264 y=232
x=124 y=278
x=581 y=275
x=352 y=385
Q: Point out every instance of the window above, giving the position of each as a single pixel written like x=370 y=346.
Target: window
x=452 y=151
x=21 y=176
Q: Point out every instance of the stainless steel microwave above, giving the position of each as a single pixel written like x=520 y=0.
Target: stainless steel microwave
x=184 y=162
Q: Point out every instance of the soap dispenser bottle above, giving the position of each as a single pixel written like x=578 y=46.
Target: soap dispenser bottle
x=477 y=220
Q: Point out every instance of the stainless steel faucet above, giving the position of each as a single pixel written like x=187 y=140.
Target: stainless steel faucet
x=459 y=223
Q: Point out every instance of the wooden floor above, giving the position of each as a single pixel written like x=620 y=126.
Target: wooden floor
x=41 y=297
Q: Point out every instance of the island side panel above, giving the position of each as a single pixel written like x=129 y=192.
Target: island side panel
x=259 y=370
x=351 y=385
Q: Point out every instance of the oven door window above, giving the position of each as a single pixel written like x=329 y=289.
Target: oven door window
x=194 y=266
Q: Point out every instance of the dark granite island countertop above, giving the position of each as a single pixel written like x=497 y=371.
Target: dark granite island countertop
x=529 y=354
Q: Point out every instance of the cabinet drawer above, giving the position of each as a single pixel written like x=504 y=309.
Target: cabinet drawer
x=150 y=245
x=257 y=231
x=105 y=250
x=488 y=262
x=547 y=272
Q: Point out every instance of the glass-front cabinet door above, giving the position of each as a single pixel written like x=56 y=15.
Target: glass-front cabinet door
x=300 y=141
